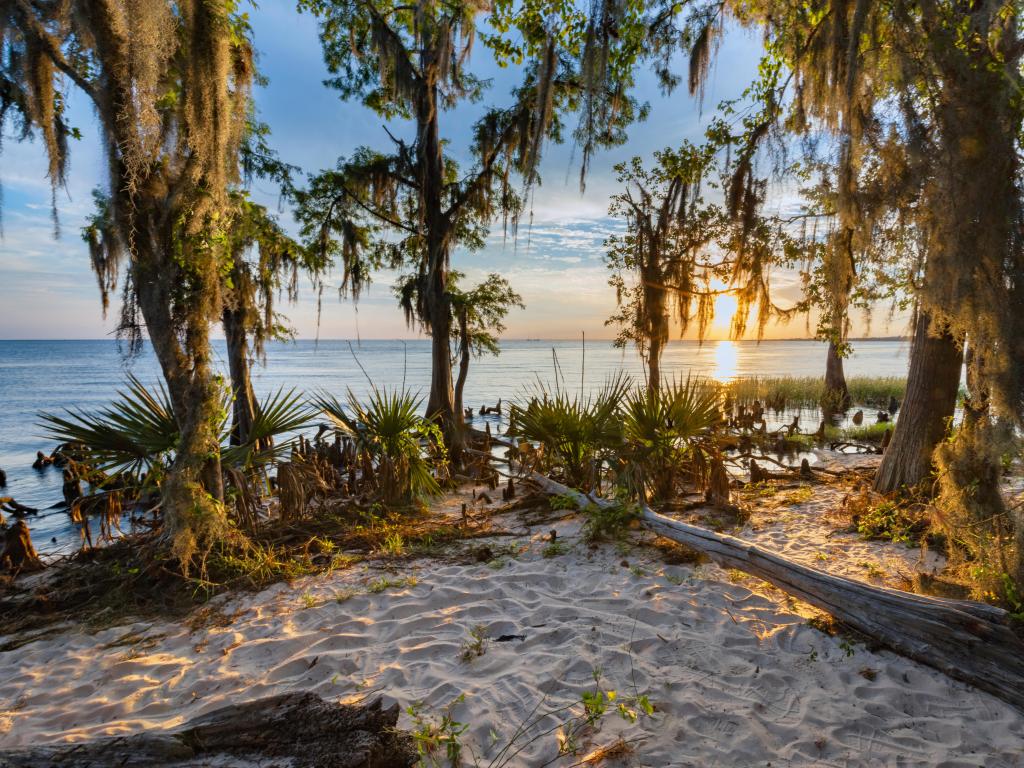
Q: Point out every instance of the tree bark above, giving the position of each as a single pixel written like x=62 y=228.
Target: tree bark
x=18 y=555
x=656 y=319
x=836 y=391
x=297 y=729
x=243 y=410
x=932 y=385
x=969 y=641
x=193 y=491
x=465 y=352
x=437 y=227
x=654 y=350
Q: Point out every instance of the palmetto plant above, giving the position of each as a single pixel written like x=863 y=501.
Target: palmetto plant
x=662 y=431
x=133 y=440
x=577 y=433
x=404 y=446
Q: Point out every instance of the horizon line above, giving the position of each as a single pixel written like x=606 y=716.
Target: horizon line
x=517 y=338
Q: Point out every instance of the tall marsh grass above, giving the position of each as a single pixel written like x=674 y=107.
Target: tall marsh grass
x=783 y=392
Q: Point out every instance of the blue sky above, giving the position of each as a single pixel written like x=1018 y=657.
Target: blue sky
x=48 y=291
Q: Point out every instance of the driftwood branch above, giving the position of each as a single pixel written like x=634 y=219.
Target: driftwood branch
x=969 y=641
x=295 y=729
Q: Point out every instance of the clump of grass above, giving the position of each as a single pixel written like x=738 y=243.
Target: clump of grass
x=554 y=549
x=876 y=391
x=393 y=545
x=782 y=392
x=608 y=522
x=309 y=600
x=475 y=646
x=384 y=583
x=777 y=392
x=865 y=433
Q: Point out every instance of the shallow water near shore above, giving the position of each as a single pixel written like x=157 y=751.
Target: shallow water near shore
x=49 y=376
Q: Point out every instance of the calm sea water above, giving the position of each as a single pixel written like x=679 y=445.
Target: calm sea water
x=40 y=376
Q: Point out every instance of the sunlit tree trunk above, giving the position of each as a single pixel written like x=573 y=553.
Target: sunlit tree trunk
x=193 y=491
x=932 y=384
x=837 y=392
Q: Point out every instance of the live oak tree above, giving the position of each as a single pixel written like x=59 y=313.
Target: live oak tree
x=169 y=82
x=413 y=205
x=680 y=252
x=929 y=92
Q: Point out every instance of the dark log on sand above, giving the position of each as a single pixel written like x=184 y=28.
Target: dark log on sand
x=295 y=729
x=969 y=641
x=18 y=555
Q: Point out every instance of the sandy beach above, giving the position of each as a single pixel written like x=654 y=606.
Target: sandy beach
x=736 y=674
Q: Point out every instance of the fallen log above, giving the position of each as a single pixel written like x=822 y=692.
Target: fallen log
x=296 y=729
x=969 y=641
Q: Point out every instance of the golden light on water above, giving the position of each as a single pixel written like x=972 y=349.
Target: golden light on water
x=726 y=361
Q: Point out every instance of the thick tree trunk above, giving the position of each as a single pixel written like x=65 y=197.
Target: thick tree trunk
x=243 y=410
x=969 y=641
x=932 y=385
x=297 y=729
x=437 y=228
x=836 y=392
x=193 y=491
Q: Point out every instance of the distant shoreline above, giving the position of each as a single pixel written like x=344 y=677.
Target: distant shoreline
x=535 y=340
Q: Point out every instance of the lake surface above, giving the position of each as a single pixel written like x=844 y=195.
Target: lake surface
x=40 y=376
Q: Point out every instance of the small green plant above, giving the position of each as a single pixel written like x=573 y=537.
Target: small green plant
x=554 y=549
x=383 y=583
x=562 y=501
x=344 y=595
x=847 y=647
x=393 y=545
x=873 y=570
x=475 y=646
x=308 y=600
x=888 y=520
x=434 y=737
x=608 y=522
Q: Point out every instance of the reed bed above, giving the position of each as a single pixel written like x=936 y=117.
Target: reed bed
x=783 y=392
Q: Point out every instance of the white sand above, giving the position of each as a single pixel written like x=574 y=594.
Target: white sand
x=737 y=676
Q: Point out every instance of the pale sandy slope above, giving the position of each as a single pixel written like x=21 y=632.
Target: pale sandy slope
x=738 y=678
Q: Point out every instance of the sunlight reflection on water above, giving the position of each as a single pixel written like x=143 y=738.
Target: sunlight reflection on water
x=726 y=361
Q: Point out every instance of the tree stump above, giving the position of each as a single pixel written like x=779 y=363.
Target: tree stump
x=886 y=439
x=295 y=729
x=18 y=554
x=717 y=492
x=858 y=418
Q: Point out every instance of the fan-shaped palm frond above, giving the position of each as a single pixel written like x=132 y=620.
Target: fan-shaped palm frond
x=661 y=430
x=132 y=438
x=389 y=429
x=281 y=413
x=574 y=431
